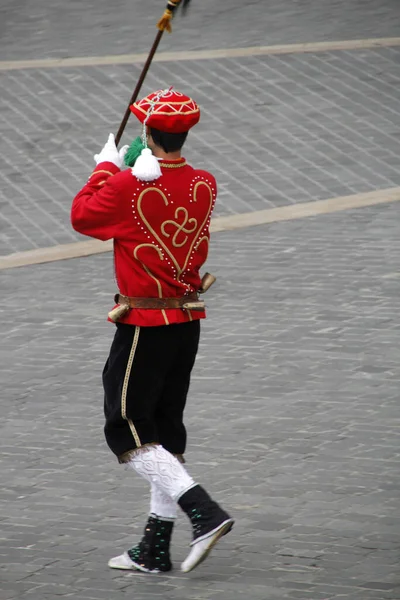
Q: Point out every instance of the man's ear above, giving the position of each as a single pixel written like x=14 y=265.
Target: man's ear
x=150 y=140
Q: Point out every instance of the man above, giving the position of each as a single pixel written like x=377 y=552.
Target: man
x=158 y=214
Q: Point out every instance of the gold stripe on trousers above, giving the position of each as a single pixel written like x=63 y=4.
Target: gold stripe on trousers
x=125 y=387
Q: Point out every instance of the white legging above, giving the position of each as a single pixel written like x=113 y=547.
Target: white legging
x=163 y=470
x=161 y=504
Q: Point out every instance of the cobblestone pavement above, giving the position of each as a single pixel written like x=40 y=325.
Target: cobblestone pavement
x=293 y=416
x=275 y=130
x=39 y=29
x=293 y=422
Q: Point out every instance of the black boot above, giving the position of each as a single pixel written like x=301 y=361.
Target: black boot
x=151 y=554
x=210 y=522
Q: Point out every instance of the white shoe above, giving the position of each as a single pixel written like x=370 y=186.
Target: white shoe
x=202 y=547
x=124 y=562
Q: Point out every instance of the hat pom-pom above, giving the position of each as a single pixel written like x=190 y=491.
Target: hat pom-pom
x=133 y=152
x=146 y=167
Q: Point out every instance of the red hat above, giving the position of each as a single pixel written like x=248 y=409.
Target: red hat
x=167 y=110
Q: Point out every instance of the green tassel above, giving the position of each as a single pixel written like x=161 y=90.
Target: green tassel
x=134 y=151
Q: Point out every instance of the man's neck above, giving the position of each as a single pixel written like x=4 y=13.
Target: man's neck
x=159 y=153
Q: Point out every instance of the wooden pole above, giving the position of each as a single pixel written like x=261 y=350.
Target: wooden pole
x=138 y=87
x=164 y=23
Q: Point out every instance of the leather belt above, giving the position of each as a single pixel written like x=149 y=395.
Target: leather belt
x=190 y=302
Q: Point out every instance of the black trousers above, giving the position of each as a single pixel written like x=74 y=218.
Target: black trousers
x=146 y=380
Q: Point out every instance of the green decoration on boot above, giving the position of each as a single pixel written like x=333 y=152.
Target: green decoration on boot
x=151 y=554
x=133 y=152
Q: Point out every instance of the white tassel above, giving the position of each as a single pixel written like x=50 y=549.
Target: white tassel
x=146 y=167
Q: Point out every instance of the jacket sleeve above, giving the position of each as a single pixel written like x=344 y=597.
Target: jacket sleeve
x=96 y=208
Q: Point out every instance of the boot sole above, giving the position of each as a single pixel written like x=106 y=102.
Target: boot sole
x=134 y=567
x=223 y=530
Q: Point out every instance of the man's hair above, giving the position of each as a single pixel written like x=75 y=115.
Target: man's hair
x=169 y=142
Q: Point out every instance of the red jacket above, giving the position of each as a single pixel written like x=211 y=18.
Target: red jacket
x=160 y=231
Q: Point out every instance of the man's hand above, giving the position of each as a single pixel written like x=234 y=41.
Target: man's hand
x=110 y=153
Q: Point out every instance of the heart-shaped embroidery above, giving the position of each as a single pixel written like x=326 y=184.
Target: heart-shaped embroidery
x=175 y=232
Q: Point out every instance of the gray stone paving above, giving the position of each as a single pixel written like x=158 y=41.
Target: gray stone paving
x=299 y=368
x=39 y=29
x=275 y=130
x=299 y=362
